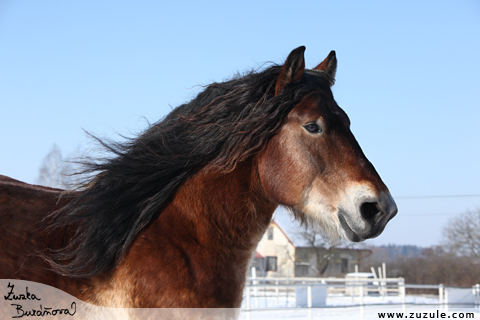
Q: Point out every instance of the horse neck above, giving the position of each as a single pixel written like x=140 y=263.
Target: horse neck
x=228 y=208
x=206 y=235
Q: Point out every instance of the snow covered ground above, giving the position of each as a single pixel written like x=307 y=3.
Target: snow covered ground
x=366 y=312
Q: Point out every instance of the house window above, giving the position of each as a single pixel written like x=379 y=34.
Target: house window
x=270 y=233
x=259 y=264
x=344 y=265
x=271 y=263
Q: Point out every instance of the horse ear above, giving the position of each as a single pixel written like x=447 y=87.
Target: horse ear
x=329 y=65
x=292 y=70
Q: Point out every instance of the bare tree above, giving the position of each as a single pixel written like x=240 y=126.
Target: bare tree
x=56 y=172
x=462 y=234
x=73 y=173
x=51 y=171
x=322 y=246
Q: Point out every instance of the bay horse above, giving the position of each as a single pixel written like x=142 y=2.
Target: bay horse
x=171 y=219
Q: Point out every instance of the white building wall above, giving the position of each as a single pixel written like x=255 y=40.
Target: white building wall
x=281 y=248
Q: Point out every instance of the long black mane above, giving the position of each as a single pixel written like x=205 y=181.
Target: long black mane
x=225 y=124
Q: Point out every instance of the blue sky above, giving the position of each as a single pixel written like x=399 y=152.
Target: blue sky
x=408 y=77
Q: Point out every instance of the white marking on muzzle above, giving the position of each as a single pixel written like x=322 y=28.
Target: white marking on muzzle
x=372 y=223
x=353 y=197
x=322 y=212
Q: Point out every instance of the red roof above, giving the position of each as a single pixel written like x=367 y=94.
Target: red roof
x=286 y=236
x=258 y=255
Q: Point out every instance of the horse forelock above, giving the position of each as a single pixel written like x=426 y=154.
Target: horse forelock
x=225 y=124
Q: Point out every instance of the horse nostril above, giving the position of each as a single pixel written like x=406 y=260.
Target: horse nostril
x=369 y=210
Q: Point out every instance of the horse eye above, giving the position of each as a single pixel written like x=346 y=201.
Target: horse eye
x=313 y=128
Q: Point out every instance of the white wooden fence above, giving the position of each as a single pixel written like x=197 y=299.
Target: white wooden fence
x=313 y=292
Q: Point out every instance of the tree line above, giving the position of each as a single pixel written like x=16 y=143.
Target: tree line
x=454 y=262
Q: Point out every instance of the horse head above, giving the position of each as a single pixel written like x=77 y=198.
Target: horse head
x=315 y=166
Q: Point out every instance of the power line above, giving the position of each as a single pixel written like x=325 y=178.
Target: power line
x=435 y=197
x=428 y=214
x=440 y=197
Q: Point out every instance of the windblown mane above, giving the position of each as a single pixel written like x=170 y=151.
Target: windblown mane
x=224 y=125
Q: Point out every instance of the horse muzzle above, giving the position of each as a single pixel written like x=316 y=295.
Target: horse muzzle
x=369 y=218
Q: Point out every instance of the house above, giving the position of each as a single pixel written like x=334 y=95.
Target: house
x=286 y=251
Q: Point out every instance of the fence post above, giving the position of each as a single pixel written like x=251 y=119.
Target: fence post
x=477 y=294
x=361 y=294
x=309 y=296
x=382 y=291
x=286 y=294
x=440 y=293
x=384 y=276
x=248 y=298
x=401 y=289
x=255 y=285
x=265 y=292
x=276 y=291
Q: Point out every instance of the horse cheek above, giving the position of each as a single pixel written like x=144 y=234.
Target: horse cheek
x=281 y=178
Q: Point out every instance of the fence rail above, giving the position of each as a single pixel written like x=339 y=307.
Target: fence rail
x=313 y=292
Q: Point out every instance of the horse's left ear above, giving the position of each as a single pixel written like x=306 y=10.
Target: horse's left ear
x=329 y=65
x=292 y=70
